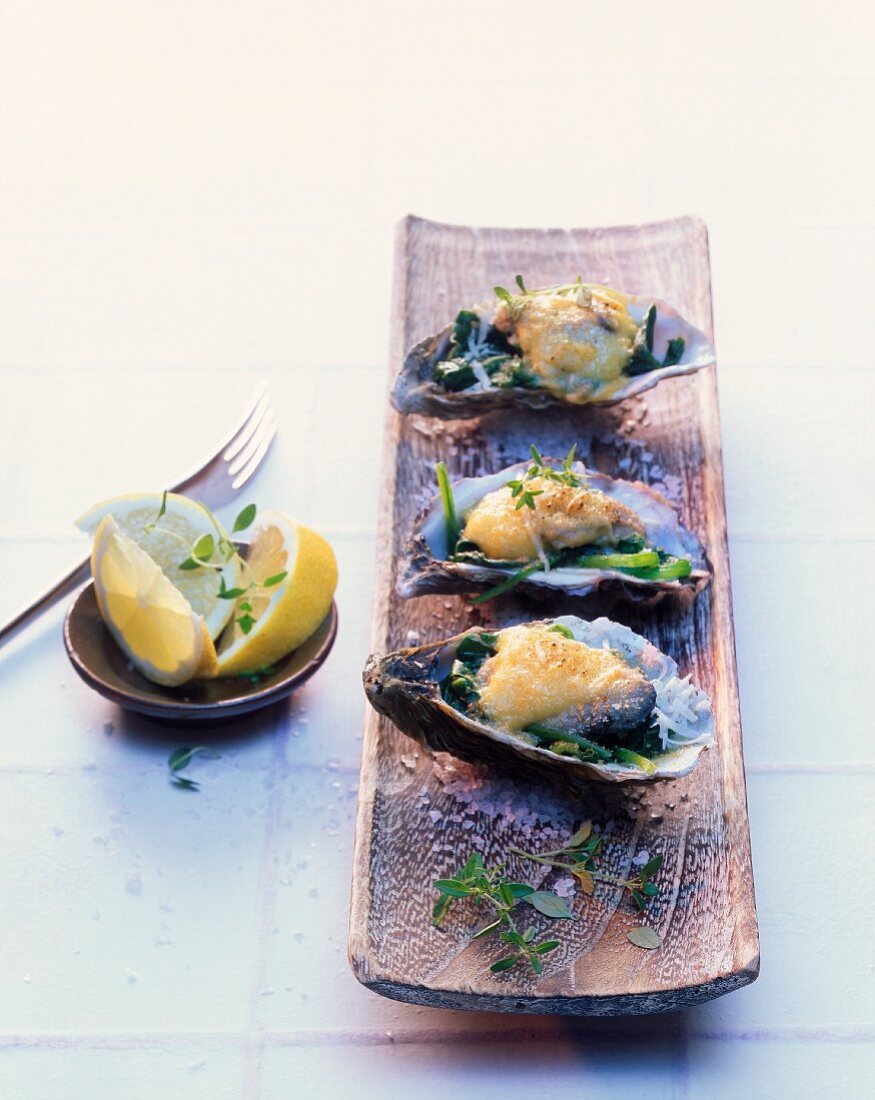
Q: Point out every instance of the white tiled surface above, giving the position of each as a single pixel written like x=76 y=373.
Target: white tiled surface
x=194 y=195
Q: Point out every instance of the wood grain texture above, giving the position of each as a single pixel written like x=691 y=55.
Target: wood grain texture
x=421 y=814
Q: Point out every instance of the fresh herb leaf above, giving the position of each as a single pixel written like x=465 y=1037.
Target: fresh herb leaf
x=521 y=284
x=550 y=904
x=502 y=293
x=189 y=563
x=452 y=887
x=231 y=593
x=561 y=628
x=203 y=548
x=488 y=888
x=185 y=783
x=180 y=759
x=520 y=889
x=257 y=674
x=277 y=578
x=440 y=909
x=644 y=937
x=579 y=857
x=245 y=622
x=244 y=519
x=650 y=868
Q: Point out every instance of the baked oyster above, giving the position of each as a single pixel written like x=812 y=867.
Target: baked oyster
x=580 y=344
x=546 y=525
x=582 y=700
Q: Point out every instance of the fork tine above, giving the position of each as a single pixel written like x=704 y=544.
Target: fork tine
x=252 y=405
x=252 y=445
x=248 y=430
x=255 y=461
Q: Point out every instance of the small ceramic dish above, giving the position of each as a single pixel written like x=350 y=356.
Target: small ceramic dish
x=102 y=665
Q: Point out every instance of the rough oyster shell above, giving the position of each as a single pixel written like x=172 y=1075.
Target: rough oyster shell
x=426 y=570
x=404 y=687
x=415 y=390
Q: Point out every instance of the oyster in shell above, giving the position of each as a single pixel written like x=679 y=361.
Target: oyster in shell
x=581 y=344
x=578 y=700
x=575 y=531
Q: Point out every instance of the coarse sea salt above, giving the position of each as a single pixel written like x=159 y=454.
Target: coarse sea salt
x=533 y=811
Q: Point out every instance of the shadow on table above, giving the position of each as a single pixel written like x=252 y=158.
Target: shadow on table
x=630 y=1047
x=229 y=733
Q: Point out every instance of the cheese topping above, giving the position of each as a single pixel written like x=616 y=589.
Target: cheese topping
x=575 y=348
x=537 y=674
x=563 y=517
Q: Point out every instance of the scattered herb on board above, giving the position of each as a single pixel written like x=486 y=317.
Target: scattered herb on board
x=180 y=759
x=645 y=937
x=491 y=890
x=202 y=552
x=579 y=856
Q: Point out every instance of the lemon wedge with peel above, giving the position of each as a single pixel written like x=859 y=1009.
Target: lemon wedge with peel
x=150 y=619
x=270 y=621
x=168 y=537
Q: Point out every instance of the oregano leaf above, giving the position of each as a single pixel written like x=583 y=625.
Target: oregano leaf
x=550 y=904
x=244 y=519
x=644 y=937
x=275 y=579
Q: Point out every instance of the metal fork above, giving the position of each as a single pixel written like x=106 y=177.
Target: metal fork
x=216 y=482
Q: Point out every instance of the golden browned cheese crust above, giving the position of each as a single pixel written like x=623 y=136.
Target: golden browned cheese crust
x=540 y=676
x=574 y=344
x=563 y=517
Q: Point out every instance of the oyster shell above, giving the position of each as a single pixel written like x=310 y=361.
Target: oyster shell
x=406 y=687
x=416 y=389
x=426 y=568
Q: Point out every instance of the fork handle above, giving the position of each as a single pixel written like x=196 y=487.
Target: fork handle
x=61 y=588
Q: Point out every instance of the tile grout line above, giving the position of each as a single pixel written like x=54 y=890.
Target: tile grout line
x=254 y=1036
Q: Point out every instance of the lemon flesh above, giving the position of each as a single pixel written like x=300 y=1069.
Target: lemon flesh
x=150 y=619
x=288 y=613
x=168 y=541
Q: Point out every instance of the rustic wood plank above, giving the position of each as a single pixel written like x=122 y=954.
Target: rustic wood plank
x=420 y=814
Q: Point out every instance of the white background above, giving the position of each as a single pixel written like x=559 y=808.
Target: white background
x=197 y=194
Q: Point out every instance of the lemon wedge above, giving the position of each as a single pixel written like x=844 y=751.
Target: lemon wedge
x=278 y=618
x=150 y=619
x=168 y=539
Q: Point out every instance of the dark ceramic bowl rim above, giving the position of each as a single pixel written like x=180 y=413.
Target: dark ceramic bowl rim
x=181 y=709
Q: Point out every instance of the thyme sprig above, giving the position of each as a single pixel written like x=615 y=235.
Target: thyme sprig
x=180 y=759
x=525 y=497
x=490 y=889
x=563 y=476
x=583 y=850
x=202 y=551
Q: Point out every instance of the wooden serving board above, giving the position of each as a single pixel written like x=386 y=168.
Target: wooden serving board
x=420 y=814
